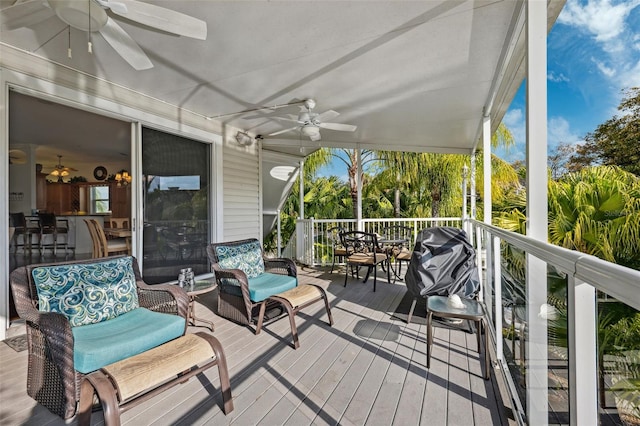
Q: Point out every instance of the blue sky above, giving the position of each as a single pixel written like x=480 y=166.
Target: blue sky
x=593 y=54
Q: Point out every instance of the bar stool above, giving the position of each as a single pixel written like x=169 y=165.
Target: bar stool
x=22 y=229
x=50 y=226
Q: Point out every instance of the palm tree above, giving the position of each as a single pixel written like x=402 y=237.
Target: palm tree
x=349 y=158
x=597 y=211
x=402 y=167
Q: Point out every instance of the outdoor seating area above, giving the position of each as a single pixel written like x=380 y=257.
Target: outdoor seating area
x=369 y=367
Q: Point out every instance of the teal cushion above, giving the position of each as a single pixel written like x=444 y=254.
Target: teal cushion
x=97 y=345
x=269 y=284
x=87 y=293
x=246 y=257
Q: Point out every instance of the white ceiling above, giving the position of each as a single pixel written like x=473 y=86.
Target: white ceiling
x=411 y=75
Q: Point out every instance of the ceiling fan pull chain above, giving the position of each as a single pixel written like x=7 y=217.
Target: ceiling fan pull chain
x=89 y=44
x=69 y=48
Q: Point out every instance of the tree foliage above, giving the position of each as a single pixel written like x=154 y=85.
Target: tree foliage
x=615 y=142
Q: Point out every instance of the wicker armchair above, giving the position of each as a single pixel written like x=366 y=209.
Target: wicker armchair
x=52 y=379
x=235 y=301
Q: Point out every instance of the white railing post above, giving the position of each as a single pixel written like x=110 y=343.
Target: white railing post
x=583 y=355
x=488 y=271
x=300 y=231
x=312 y=245
x=480 y=261
x=497 y=294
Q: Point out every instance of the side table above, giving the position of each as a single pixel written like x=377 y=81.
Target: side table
x=200 y=287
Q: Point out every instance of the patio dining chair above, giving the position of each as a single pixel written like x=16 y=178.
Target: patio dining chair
x=339 y=251
x=400 y=249
x=364 y=250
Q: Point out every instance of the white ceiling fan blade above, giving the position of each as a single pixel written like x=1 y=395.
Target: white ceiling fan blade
x=327 y=115
x=338 y=126
x=125 y=46
x=24 y=14
x=291 y=118
x=315 y=137
x=279 y=132
x=159 y=17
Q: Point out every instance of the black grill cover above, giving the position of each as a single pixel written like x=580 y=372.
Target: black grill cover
x=443 y=262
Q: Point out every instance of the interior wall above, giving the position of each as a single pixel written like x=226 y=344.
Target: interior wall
x=22 y=182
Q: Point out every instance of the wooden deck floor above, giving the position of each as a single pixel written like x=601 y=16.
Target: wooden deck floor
x=369 y=368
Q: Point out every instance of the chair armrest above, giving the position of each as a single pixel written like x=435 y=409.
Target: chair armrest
x=231 y=278
x=165 y=298
x=282 y=266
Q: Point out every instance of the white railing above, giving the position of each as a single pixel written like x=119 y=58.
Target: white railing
x=523 y=316
x=316 y=249
x=531 y=373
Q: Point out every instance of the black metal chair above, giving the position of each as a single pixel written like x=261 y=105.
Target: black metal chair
x=363 y=250
x=339 y=251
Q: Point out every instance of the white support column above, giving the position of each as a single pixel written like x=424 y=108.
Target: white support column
x=537 y=348
x=582 y=324
x=486 y=159
x=465 y=202
x=301 y=174
x=359 y=182
x=473 y=185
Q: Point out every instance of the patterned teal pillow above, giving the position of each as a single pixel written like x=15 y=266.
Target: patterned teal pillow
x=87 y=293
x=246 y=257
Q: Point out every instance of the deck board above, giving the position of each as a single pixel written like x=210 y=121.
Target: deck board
x=369 y=368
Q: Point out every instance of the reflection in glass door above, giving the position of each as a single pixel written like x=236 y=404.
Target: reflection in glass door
x=176 y=174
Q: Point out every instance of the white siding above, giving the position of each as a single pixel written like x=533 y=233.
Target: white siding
x=241 y=191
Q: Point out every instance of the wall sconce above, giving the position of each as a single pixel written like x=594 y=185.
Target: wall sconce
x=244 y=139
x=123 y=178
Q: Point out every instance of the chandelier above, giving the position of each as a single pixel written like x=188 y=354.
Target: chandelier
x=123 y=178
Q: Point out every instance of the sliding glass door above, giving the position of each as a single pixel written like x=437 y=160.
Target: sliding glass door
x=176 y=206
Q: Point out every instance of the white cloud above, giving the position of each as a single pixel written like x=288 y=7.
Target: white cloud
x=559 y=131
x=514 y=120
x=604 y=20
x=557 y=78
x=604 y=69
x=607 y=22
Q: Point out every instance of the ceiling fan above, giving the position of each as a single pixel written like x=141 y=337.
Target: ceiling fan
x=60 y=170
x=310 y=123
x=92 y=15
x=17 y=156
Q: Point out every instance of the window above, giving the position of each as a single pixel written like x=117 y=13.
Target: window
x=99 y=198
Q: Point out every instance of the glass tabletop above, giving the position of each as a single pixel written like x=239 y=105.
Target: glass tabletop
x=439 y=305
x=201 y=286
